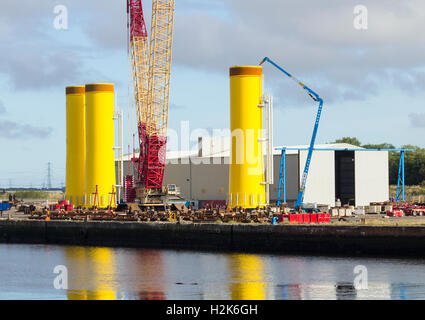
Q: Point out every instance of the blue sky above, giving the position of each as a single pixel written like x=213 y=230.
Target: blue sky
x=372 y=80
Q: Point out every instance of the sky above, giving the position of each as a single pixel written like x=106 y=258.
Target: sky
x=372 y=80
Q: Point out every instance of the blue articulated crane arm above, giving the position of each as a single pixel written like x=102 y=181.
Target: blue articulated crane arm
x=316 y=98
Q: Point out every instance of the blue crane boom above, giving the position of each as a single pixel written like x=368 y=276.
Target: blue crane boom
x=316 y=98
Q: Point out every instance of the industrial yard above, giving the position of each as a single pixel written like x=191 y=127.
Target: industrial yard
x=240 y=178
x=368 y=235
x=405 y=214
x=212 y=149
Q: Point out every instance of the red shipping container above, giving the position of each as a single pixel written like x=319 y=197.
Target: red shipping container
x=321 y=217
x=69 y=208
x=306 y=218
x=327 y=218
x=313 y=218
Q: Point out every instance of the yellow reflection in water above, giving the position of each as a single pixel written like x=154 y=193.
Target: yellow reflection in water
x=91 y=273
x=247 y=277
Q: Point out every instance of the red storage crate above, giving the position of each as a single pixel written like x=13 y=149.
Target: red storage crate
x=327 y=218
x=313 y=218
x=55 y=207
x=69 y=208
x=395 y=213
x=300 y=218
x=321 y=217
x=398 y=213
x=306 y=218
x=293 y=218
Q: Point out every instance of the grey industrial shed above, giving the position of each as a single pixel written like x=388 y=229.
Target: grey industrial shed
x=355 y=177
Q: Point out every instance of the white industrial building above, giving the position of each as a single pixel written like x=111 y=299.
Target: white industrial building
x=355 y=177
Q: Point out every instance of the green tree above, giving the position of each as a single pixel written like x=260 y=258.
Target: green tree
x=415 y=165
x=394 y=163
x=378 y=146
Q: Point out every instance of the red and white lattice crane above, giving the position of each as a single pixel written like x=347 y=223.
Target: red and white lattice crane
x=151 y=69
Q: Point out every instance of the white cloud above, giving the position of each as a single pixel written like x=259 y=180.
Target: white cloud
x=16 y=130
x=315 y=40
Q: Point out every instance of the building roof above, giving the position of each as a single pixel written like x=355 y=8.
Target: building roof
x=225 y=153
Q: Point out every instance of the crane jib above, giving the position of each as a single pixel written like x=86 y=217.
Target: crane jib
x=315 y=97
x=151 y=71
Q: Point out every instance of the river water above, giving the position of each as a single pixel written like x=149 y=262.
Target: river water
x=27 y=272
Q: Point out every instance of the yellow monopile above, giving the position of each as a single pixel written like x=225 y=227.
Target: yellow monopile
x=100 y=162
x=246 y=187
x=75 y=144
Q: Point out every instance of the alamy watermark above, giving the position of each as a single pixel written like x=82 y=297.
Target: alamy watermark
x=361 y=17
x=361 y=278
x=247 y=145
x=61 y=280
x=60 y=21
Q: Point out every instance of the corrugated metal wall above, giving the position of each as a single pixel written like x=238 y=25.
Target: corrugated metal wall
x=372 y=177
x=320 y=186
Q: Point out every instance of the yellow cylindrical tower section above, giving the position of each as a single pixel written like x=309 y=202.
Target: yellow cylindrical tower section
x=75 y=144
x=100 y=162
x=246 y=187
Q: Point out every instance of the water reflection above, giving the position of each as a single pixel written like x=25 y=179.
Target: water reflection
x=345 y=291
x=108 y=274
x=398 y=291
x=91 y=273
x=247 y=279
x=288 y=292
x=151 y=273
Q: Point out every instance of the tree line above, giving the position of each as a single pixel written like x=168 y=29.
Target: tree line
x=414 y=160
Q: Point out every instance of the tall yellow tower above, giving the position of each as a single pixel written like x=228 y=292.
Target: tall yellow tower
x=246 y=187
x=75 y=144
x=100 y=162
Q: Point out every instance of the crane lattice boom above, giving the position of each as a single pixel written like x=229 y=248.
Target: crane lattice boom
x=151 y=63
x=160 y=65
x=139 y=50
